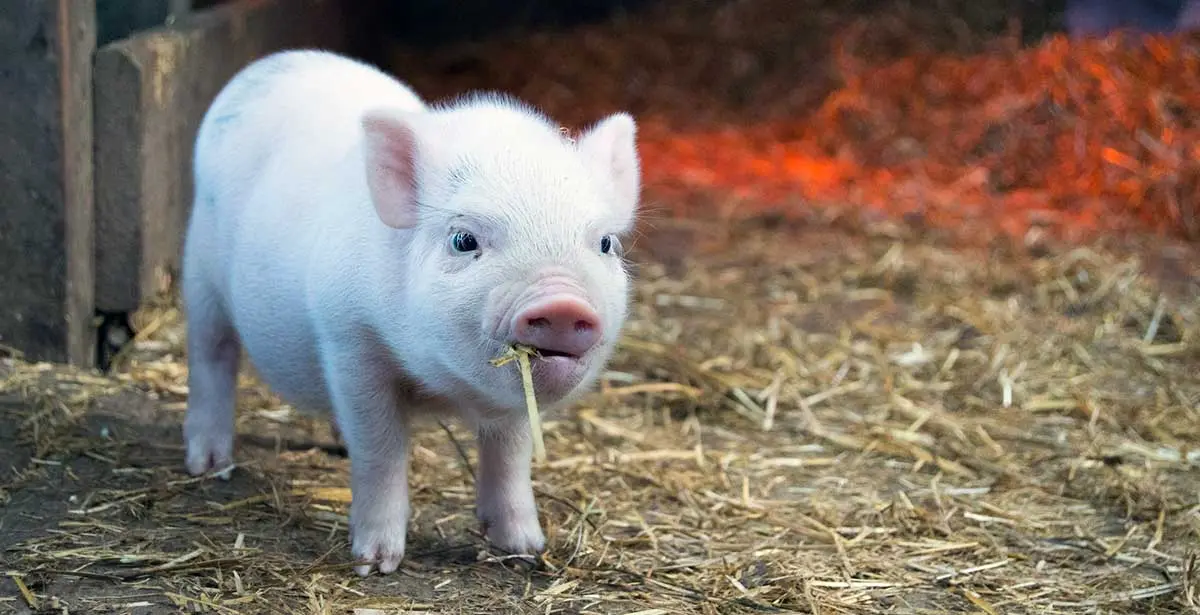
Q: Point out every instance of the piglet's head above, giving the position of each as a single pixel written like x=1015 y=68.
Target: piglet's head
x=514 y=235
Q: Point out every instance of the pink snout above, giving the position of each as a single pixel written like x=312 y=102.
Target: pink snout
x=560 y=326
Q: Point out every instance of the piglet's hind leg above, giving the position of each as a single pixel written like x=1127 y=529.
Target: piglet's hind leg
x=213 y=356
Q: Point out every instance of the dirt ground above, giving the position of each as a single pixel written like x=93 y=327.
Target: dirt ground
x=824 y=420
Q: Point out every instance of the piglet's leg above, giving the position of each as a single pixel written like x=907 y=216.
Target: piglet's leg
x=504 y=491
x=376 y=436
x=213 y=357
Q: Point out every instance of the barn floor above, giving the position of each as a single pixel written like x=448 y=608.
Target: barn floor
x=823 y=420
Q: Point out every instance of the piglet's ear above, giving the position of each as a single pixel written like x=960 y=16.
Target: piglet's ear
x=390 y=150
x=610 y=147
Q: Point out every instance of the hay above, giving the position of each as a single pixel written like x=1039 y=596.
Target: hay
x=521 y=354
x=812 y=422
x=825 y=421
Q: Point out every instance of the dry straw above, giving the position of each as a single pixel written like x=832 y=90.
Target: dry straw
x=521 y=354
x=795 y=421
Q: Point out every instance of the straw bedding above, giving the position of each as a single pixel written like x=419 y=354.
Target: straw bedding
x=826 y=412
x=820 y=420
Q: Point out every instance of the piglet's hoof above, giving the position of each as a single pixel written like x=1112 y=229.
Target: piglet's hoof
x=518 y=540
x=378 y=546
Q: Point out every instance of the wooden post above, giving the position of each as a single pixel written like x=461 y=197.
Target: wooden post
x=46 y=206
x=117 y=19
x=152 y=90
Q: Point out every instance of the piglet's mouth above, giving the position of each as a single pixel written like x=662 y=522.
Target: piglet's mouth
x=547 y=354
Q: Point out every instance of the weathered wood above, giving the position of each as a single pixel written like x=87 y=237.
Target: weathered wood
x=151 y=92
x=46 y=265
x=117 y=19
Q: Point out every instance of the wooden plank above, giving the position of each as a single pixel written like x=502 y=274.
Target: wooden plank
x=151 y=93
x=46 y=245
x=117 y=19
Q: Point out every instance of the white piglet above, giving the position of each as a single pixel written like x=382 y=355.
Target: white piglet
x=371 y=254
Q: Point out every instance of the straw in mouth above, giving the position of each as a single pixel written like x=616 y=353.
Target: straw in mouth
x=521 y=354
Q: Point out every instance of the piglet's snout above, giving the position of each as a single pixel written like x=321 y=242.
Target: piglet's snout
x=558 y=325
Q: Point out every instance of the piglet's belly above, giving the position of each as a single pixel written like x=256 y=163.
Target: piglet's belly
x=295 y=377
x=281 y=347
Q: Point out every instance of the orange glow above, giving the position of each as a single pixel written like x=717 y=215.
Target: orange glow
x=1076 y=138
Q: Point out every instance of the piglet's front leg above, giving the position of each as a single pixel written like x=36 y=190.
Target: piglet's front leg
x=376 y=436
x=504 y=490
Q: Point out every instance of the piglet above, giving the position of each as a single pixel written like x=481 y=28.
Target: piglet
x=371 y=253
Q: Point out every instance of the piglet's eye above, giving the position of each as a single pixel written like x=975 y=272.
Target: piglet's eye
x=609 y=244
x=463 y=241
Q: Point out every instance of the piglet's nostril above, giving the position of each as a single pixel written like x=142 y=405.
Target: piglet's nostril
x=538 y=323
x=584 y=326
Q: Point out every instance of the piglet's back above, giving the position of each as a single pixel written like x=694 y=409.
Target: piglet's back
x=298 y=110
